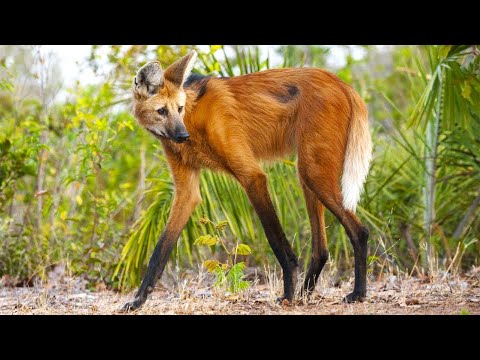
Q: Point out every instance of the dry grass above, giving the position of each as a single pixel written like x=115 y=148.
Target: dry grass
x=194 y=295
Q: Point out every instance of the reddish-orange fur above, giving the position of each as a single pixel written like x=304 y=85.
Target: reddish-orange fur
x=238 y=122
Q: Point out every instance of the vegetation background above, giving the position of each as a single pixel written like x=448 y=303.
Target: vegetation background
x=82 y=185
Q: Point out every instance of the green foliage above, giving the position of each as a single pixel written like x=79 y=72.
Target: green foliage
x=301 y=55
x=242 y=249
x=233 y=278
x=208 y=240
x=396 y=187
x=456 y=67
x=228 y=275
x=15 y=162
x=86 y=200
x=107 y=190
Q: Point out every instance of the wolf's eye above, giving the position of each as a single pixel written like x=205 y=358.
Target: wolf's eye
x=180 y=108
x=163 y=111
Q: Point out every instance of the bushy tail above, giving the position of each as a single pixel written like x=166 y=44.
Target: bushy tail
x=357 y=155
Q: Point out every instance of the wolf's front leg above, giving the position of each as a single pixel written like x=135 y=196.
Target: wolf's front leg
x=187 y=196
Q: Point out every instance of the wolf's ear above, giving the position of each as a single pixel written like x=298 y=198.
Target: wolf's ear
x=178 y=72
x=149 y=80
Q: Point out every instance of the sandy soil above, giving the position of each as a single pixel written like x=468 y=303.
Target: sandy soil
x=392 y=295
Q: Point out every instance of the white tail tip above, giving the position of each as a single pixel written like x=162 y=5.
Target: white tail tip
x=357 y=160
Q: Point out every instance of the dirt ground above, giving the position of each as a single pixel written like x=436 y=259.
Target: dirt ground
x=391 y=295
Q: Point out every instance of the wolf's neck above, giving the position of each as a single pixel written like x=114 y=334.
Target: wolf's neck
x=196 y=86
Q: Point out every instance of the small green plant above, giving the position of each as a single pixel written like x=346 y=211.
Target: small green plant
x=229 y=275
x=464 y=312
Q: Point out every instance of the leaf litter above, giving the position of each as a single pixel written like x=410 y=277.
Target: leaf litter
x=61 y=294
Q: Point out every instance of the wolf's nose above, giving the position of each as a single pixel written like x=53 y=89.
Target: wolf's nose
x=181 y=137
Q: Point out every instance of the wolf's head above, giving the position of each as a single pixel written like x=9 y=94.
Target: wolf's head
x=159 y=97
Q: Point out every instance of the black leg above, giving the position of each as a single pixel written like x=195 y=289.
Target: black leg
x=256 y=188
x=357 y=233
x=360 y=250
x=316 y=213
x=156 y=265
x=187 y=196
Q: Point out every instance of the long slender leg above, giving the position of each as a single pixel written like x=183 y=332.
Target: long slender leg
x=255 y=184
x=187 y=196
x=316 y=213
x=329 y=194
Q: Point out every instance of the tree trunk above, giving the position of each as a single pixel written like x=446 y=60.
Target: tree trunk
x=431 y=148
x=42 y=159
x=43 y=154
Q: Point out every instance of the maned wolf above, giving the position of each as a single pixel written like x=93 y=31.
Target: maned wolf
x=231 y=124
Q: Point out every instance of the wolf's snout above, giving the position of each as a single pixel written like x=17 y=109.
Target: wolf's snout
x=180 y=134
x=181 y=137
